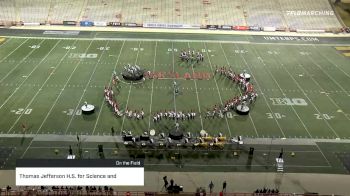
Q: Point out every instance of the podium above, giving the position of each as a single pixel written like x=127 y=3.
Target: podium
x=279 y=164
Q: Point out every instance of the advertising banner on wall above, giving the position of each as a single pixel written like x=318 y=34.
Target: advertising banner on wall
x=86 y=23
x=69 y=23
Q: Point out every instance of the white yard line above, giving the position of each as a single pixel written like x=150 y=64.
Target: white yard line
x=86 y=86
x=127 y=101
x=267 y=103
x=64 y=86
x=304 y=93
x=330 y=77
x=20 y=62
x=274 y=79
x=173 y=63
x=154 y=68
x=195 y=85
x=20 y=85
x=318 y=84
x=36 y=94
x=329 y=60
x=110 y=81
x=250 y=117
x=11 y=51
x=217 y=87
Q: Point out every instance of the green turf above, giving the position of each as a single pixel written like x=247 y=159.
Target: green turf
x=33 y=79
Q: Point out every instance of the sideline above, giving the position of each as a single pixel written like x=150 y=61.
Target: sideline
x=191 y=31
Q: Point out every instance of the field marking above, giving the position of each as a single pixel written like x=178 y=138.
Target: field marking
x=173 y=64
x=154 y=68
x=268 y=105
x=302 y=90
x=86 y=86
x=127 y=101
x=21 y=61
x=3 y=59
x=250 y=117
x=318 y=84
x=195 y=85
x=42 y=85
x=178 y=40
x=330 y=77
x=110 y=81
x=317 y=110
x=323 y=154
x=329 y=60
x=217 y=87
x=273 y=77
x=61 y=91
x=18 y=87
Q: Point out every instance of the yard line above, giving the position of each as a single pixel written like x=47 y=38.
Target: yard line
x=195 y=85
x=64 y=86
x=302 y=90
x=127 y=101
x=154 y=68
x=172 y=47
x=20 y=62
x=19 y=86
x=3 y=59
x=217 y=87
x=330 y=77
x=110 y=81
x=250 y=117
x=274 y=79
x=267 y=103
x=318 y=84
x=36 y=94
x=329 y=60
x=86 y=86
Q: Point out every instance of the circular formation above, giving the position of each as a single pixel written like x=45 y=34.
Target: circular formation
x=132 y=73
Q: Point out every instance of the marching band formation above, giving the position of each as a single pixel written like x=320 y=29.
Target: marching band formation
x=108 y=93
x=248 y=94
x=191 y=56
x=172 y=115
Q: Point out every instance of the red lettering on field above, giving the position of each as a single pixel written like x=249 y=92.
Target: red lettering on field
x=187 y=76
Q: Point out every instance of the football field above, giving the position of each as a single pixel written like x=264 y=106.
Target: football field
x=303 y=90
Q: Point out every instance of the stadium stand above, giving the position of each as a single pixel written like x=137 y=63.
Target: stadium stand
x=7 y=12
x=281 y=14
x=264 y=13
x=325 y=20
x=33 y=11
x=65 y=10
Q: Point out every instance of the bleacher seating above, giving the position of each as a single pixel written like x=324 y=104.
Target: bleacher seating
x=264 y=13
x=65 y=10
x=269 y=13
x=7 y=11
x=305 y=21
x=33 y=10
